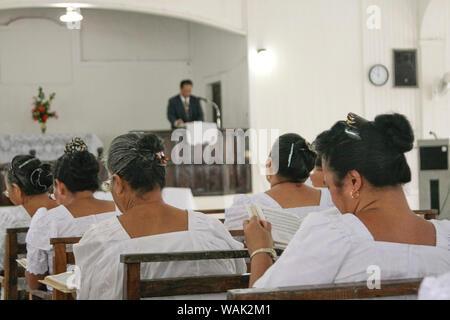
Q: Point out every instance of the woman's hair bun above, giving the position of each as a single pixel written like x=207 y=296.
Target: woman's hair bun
x=397 y=130
x=78 y=168
x=295 y=157
x=41 y=178
x=149 y=144
x=30 y=174
x=138 y=159
x=75 y=145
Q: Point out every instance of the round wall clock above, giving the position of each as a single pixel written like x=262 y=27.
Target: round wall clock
x=378 y=75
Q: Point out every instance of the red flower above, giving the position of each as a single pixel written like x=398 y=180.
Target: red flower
x=41 y=109
x=36 y=118
x=45 y=117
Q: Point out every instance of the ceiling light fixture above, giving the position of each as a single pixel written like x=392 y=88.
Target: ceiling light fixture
x=72 y=15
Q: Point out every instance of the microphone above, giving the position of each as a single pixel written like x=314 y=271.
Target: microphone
x=216 y=109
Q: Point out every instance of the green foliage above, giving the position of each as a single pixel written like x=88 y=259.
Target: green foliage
x=41 y=110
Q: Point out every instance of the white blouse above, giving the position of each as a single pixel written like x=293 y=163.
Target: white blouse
x=237 y=213
x=335 y=248
x=98 y=254
x=11 y=217
x=435 y=288
x=55 y=223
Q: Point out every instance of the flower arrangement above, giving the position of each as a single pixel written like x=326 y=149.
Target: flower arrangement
x=41 y=111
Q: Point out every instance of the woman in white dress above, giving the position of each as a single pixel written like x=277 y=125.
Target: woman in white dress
x=364 y=167
x=137 y=167
x=27 y=183
x=76 y=180
x=316 y=175
x=290 y=162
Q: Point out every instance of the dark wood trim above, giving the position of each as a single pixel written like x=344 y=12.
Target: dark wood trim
x=11 y=272
x=61 y=258
x=237 y=233
x=212 y=211
x=353 y=290
x=132 y=281
x=71 y=240
x=183 y=256
x=192 y=285
x=428 y=214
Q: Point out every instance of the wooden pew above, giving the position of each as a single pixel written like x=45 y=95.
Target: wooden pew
x=427 y=214
x=212 y=211
x=352 y=290
x=61 y=258
x=134 y=288
x=12 y=271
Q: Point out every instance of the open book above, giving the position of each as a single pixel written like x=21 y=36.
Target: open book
x=59 y=281
x=284 y=224
x=22 y=262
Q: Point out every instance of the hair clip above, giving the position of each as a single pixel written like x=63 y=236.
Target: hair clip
x=162 y=158
x=37 y=181
x=75 y=145
x=27 y=162
x=352 y=123
x=290 y=155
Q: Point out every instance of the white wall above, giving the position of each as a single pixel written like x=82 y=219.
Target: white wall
x=399 y=30
x=318 y=76
x=114 y=75
x=221 y=56
x=323 y=54
x=435 y=59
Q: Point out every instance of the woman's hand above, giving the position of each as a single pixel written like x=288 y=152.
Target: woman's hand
x=258 y=234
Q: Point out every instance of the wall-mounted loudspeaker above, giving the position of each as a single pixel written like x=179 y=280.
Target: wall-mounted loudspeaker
x=405 y=68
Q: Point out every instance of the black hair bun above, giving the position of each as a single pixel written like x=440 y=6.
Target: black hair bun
x=78 y=168
x=147 y=146
x=295 y=158
x=41 y=178
x=397 y=130
x=306 y=154
x=30 y=175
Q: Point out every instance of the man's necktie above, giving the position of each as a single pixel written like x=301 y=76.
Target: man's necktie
x=186 y=109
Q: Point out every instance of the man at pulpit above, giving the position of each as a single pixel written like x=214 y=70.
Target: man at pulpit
x=184 y=107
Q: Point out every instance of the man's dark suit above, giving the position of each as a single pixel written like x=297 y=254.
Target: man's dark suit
x=175 y=110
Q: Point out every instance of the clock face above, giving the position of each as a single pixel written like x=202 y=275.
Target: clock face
x=378 y=75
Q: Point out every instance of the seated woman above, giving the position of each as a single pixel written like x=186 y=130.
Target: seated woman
x=76 y=180
x=137 y=166
x=316 y=176
x=27 y=183
x=288 y=167
x=364 y=167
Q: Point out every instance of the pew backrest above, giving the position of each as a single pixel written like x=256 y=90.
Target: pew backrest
x=427 y=214
x=134 y=288
x=12 y=271
x=352 y=290
x=61 y=258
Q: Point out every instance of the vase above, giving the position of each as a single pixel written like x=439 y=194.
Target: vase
x=43 y=127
